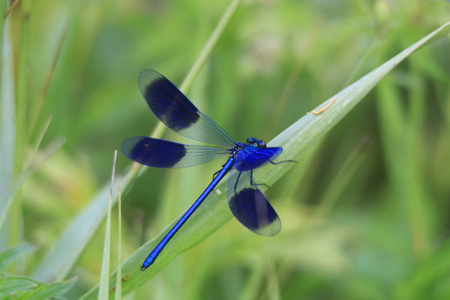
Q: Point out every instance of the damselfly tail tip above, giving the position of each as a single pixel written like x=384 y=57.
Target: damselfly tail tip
x=147 y=263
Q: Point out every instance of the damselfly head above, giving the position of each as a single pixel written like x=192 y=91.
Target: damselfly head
x=256 y=143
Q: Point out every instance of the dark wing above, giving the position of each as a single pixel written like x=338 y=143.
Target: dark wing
x=175 y=110
x=164 y=154
x=249 y=205
x=251 y=158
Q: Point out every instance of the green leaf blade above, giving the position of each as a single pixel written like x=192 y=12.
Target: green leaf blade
x=16 y=285
x=10 y=256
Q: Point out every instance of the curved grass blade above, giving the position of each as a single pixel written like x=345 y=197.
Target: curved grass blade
x=59 y=260
x=295 y=140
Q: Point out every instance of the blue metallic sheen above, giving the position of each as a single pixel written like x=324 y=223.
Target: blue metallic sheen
x=154 y=254
x=251 y=157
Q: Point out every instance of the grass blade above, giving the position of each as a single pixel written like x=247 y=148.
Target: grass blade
x=2 y=13
x=210 y=44
x=7 y=121
x=104 y=276
x=119 y=250
x=37 y=105
x=22 y=85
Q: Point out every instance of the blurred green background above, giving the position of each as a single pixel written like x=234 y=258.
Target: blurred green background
x=364 y=213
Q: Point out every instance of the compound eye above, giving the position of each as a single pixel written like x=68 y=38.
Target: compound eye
x=252 y=142
x=263 y=144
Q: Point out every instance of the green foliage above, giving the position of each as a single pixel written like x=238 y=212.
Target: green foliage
x=9 y=256
x=15 y=287
x=363 y=210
